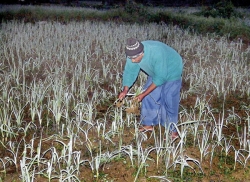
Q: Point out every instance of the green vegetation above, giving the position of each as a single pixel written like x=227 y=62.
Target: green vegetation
x=221 y=19
x=223 y=9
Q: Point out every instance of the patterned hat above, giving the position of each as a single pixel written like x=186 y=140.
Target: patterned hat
x=133 y=47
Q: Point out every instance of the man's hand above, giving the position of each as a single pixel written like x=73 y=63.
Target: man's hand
x=145 y=93
x=139 y=97
x=123 y=93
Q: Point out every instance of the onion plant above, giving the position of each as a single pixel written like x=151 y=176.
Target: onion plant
x=58 y=77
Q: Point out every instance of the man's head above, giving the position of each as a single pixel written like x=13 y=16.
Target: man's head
x=134 y=49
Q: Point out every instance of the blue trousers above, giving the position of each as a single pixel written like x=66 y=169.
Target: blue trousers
x=161 y=106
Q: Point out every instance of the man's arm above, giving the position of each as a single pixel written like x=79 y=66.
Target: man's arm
x=146 y=92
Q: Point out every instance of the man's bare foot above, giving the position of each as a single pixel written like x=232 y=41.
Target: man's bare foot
x=145 y=128
x=174 y=135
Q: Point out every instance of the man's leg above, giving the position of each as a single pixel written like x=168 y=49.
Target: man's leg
x=170 y=100
x=150 y=106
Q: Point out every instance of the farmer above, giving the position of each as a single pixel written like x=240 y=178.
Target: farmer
x=161 y=96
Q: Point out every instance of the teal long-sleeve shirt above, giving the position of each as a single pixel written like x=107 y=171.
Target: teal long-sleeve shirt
x=160 y=62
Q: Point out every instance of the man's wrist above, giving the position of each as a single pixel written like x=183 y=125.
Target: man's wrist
x=125 y=89
x=144 y=94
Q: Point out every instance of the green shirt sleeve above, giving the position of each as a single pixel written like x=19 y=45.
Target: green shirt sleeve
x=130 y=74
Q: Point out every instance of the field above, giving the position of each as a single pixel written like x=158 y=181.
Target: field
x=60 y=121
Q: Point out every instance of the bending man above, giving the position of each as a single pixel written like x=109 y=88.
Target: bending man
x=161 y=96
